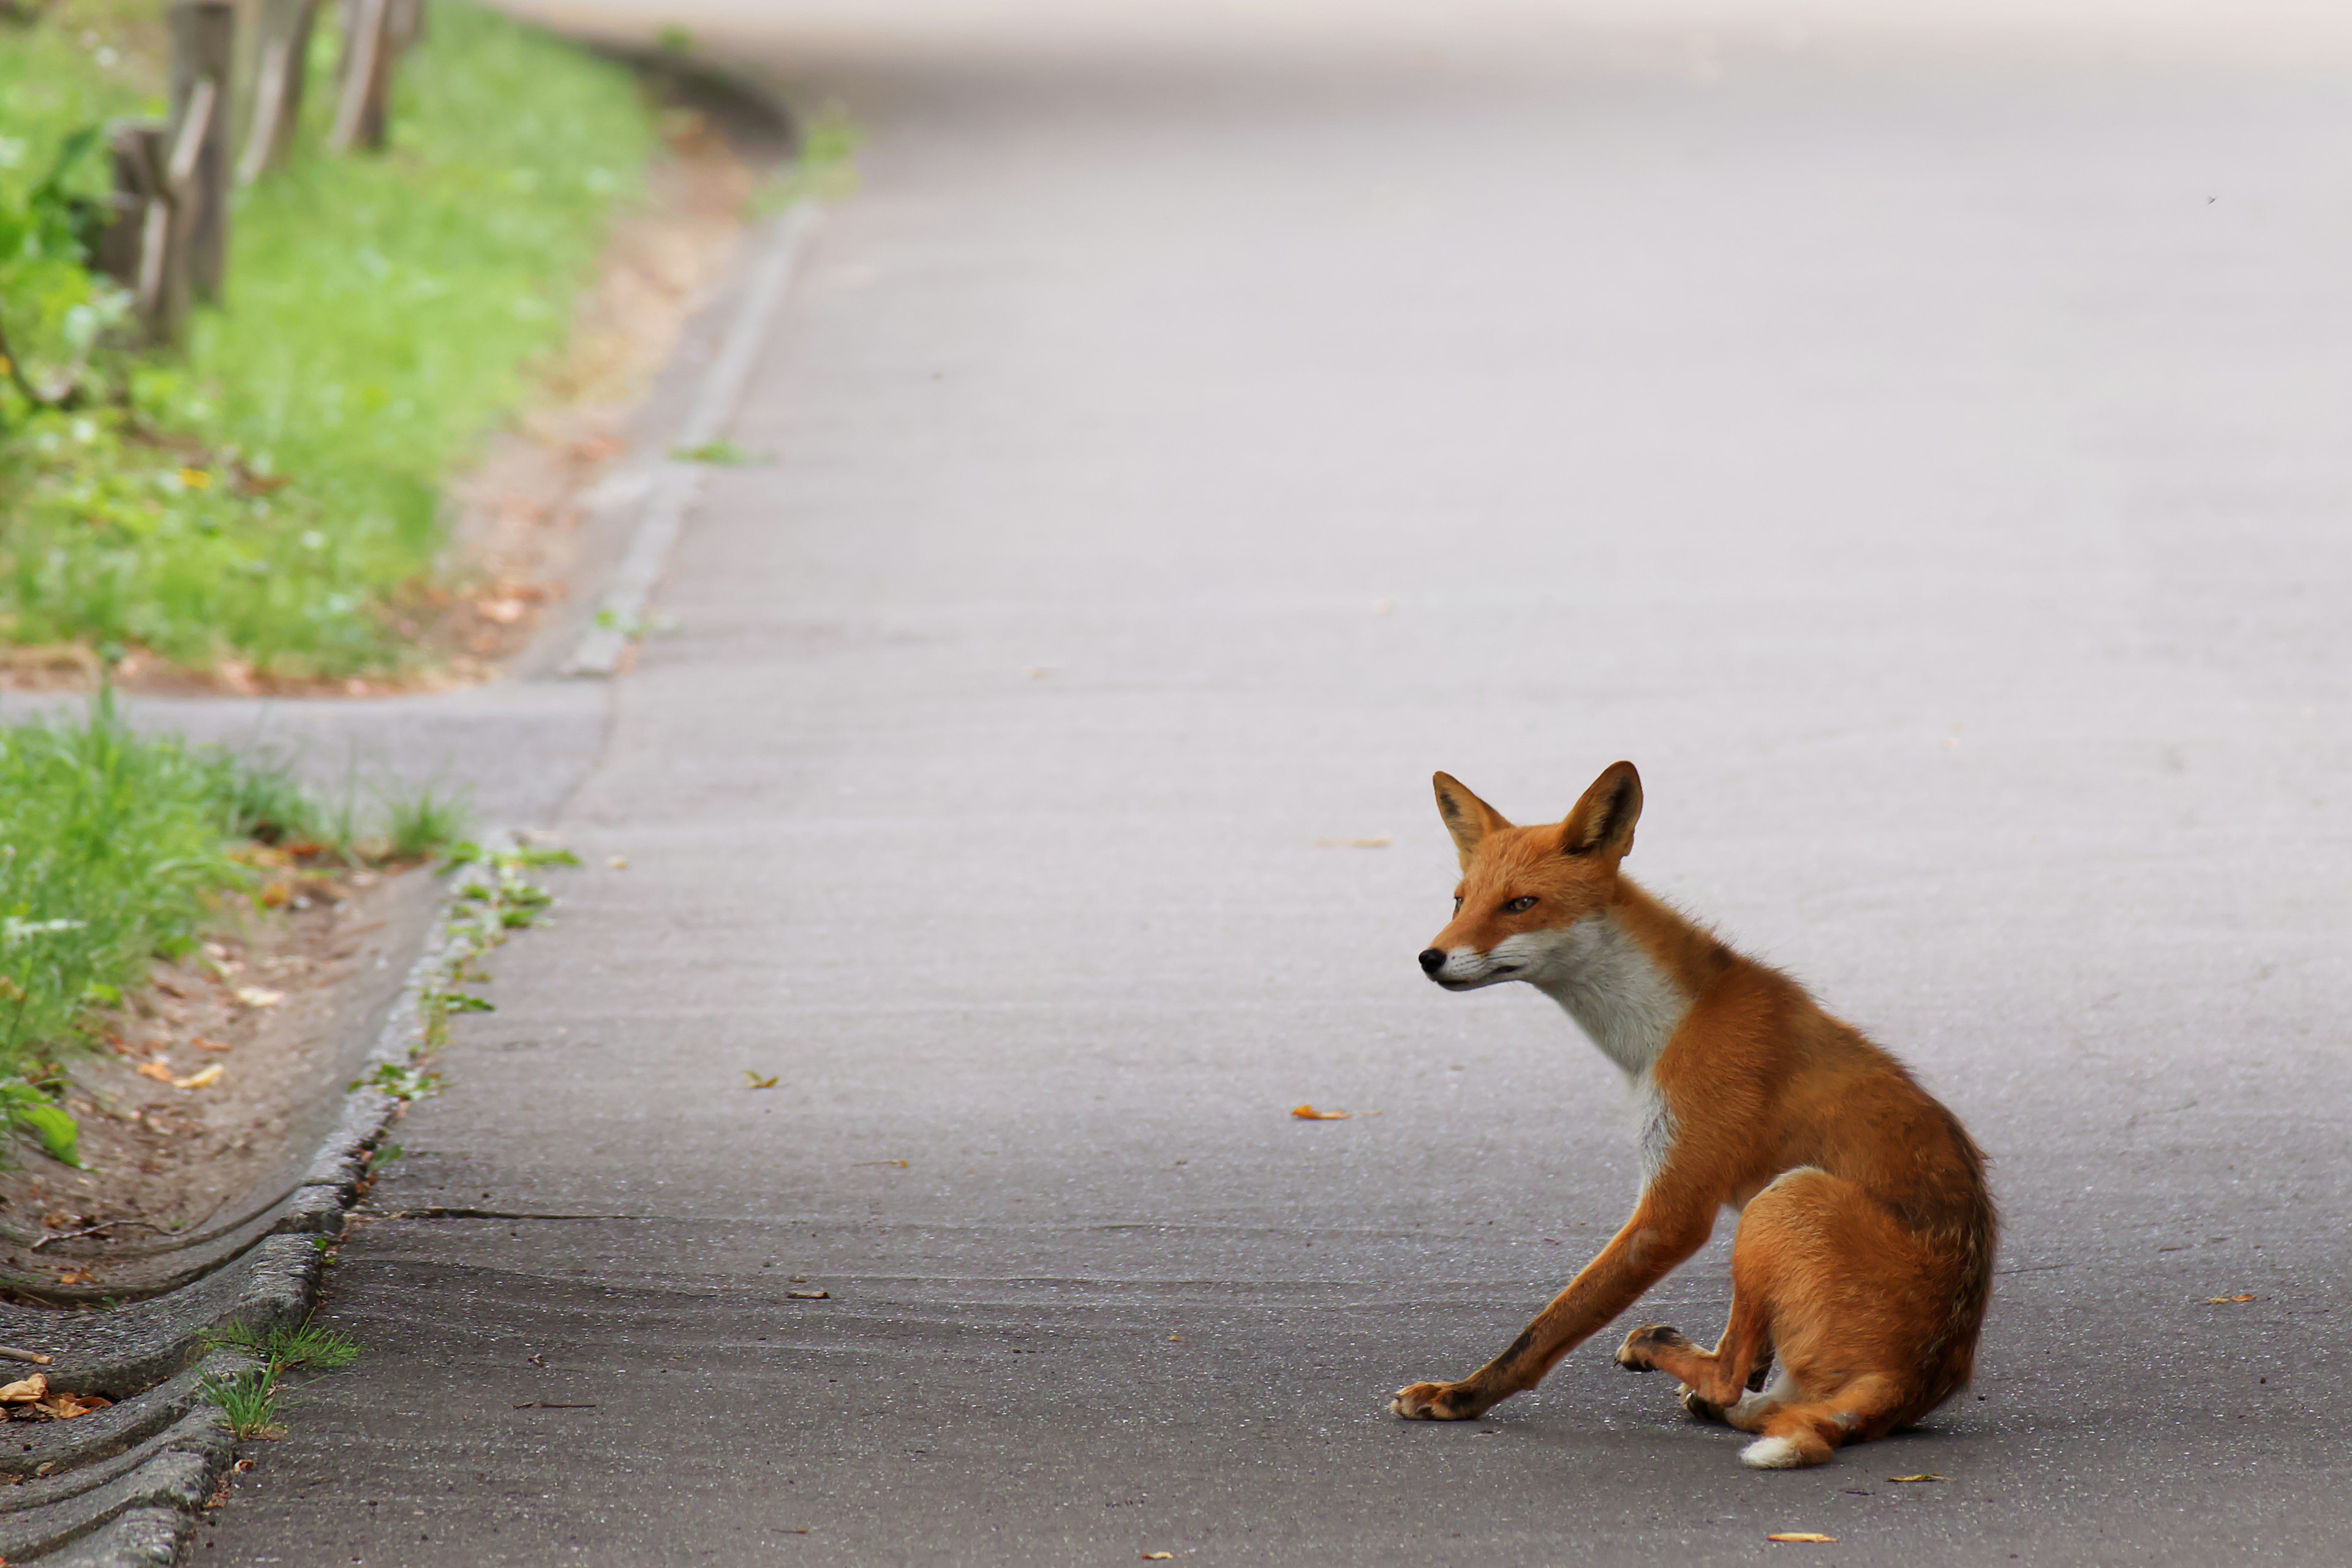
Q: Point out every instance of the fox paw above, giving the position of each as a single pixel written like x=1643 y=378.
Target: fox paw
x=1644 y=1343
x=1699 y=1405
x=1438 y=1402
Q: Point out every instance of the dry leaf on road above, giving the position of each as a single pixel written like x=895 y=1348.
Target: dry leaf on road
x=1308 y=1113
x=159 y=1069
x=198 y=1079
x=753 y=1080
x=808 y=1296
x=1158 y=1556
x=1813 y=1536
x=2220 y=1301
x=27 y=1391
x=1922 y=1475
x=259 y=996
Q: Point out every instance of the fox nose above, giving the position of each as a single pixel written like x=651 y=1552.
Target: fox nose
x=1433 y=959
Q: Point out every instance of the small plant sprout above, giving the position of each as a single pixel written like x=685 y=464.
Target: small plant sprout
x=249 y=1401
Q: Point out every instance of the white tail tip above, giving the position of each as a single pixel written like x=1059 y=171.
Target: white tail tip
x=1772 y=1454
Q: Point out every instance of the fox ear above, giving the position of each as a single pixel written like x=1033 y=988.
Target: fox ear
x=1602 y=822
x=1467 y=817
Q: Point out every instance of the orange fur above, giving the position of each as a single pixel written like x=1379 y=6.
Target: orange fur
x=1863 y=1257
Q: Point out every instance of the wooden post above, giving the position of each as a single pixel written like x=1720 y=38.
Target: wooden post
x=204 y=41
x=407 y=25
x=279 y=60
x=138 y=247
x=366 y=75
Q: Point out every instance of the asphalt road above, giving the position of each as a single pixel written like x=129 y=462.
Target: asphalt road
x=1927 y=463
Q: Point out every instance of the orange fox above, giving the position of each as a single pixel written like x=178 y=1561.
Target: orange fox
x=1863 y=1255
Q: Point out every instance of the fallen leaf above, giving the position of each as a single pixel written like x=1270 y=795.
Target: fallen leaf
x=274 y=897
x=901 y=1164
x=203 y=1044
x=1811 y=1535
x=753 y=1080
x=1373 y=841
x=242 y=1466
x=74 y=1276
x=1308 y=1113
x=199 y=1079
x=259 y=996
x=66 y=1406
x=1160 y=1557
x=1922 y=1475
x=617 y=862
x=505 y=612
x=808 y=1296
x=159 y=1069
x=2220 y=1301
x=25 y=1392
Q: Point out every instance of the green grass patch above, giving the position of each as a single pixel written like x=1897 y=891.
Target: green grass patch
x=248 y=1400
x=115 y=848
x=272 y=495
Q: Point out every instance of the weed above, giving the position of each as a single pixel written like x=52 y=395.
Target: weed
x=286 y=1349
x=420 y=823
x=401 y=1081
x=260 y=799
x=249 y=1400
x=722 y=453
x=635 y=627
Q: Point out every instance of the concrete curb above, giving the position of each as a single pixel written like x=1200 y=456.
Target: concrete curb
x=671 y=488
x=122 y=1486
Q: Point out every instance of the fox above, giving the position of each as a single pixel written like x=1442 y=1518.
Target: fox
x=1862 y=1263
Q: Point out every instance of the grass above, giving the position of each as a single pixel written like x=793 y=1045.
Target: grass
x=423 y=821
x=271 y=496
x=117 y=847
x=249 y=1399
x=113 y=848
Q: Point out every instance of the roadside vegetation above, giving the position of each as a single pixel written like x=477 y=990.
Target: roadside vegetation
x=249 y=1399
x=267 y=503
x=117 y=848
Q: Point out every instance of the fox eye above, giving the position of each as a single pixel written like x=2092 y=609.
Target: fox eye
x=1520 y=904
x=1457 y=903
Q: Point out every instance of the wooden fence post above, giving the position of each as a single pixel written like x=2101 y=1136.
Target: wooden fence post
x=137 y=247
x=280 y=58
x=407 y=24
x=366 y=75
x=203 y=42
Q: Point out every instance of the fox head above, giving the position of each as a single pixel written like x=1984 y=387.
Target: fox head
x=1524 y=889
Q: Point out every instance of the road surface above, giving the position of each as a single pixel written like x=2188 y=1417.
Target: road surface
x=1925 y=459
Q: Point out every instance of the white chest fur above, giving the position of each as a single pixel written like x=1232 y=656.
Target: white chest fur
x=1607 y=983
